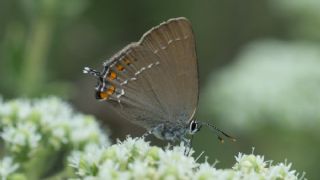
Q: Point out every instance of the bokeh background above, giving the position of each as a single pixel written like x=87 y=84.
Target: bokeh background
x=259 y=64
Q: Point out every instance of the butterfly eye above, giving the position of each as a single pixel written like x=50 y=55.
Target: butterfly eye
x=193 y=127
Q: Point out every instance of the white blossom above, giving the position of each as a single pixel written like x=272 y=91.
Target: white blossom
x=124 y=160
x=7 y=167
x=36 y=130
x=271 y=82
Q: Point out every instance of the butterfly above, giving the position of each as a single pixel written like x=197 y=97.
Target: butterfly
x=154 y=82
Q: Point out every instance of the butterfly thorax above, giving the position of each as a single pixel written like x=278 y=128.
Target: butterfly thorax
x=170 y=131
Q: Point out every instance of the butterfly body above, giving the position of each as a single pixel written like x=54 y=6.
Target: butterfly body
x=170 y=132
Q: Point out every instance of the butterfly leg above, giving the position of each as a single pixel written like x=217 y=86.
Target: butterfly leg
x=188 y=145
x=146 y=134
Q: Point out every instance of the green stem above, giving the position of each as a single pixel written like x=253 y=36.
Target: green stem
x=33 y=74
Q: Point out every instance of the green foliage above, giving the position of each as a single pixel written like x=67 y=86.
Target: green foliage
x=302 y=17
x=27 y=44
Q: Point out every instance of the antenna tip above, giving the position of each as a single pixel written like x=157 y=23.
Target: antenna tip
x=86 y=70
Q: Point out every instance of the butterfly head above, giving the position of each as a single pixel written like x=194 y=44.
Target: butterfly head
x=194 y=127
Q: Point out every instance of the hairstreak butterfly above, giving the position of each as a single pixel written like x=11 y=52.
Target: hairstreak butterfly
x=154 y=82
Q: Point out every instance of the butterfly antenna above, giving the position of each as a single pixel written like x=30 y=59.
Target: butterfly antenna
x=212 y=127
x=92 y=72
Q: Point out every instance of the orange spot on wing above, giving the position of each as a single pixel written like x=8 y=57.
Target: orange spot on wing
x=126 y=61
x=111 y=90
x=119 y=67
x=104 y=95
x=112 y=75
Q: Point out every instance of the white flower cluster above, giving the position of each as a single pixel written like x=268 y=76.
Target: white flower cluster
x=136 y=159
x=271 y=82
x=7 y=166
x=43 y=128
x=36 y=133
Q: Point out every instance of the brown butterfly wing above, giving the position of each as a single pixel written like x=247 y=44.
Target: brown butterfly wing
x=159 y=79
x=176 y=79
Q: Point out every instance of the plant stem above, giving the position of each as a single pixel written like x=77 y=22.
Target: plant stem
x=33 y=74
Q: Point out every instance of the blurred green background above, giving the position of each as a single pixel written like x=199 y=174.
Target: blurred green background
x=258 y=61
